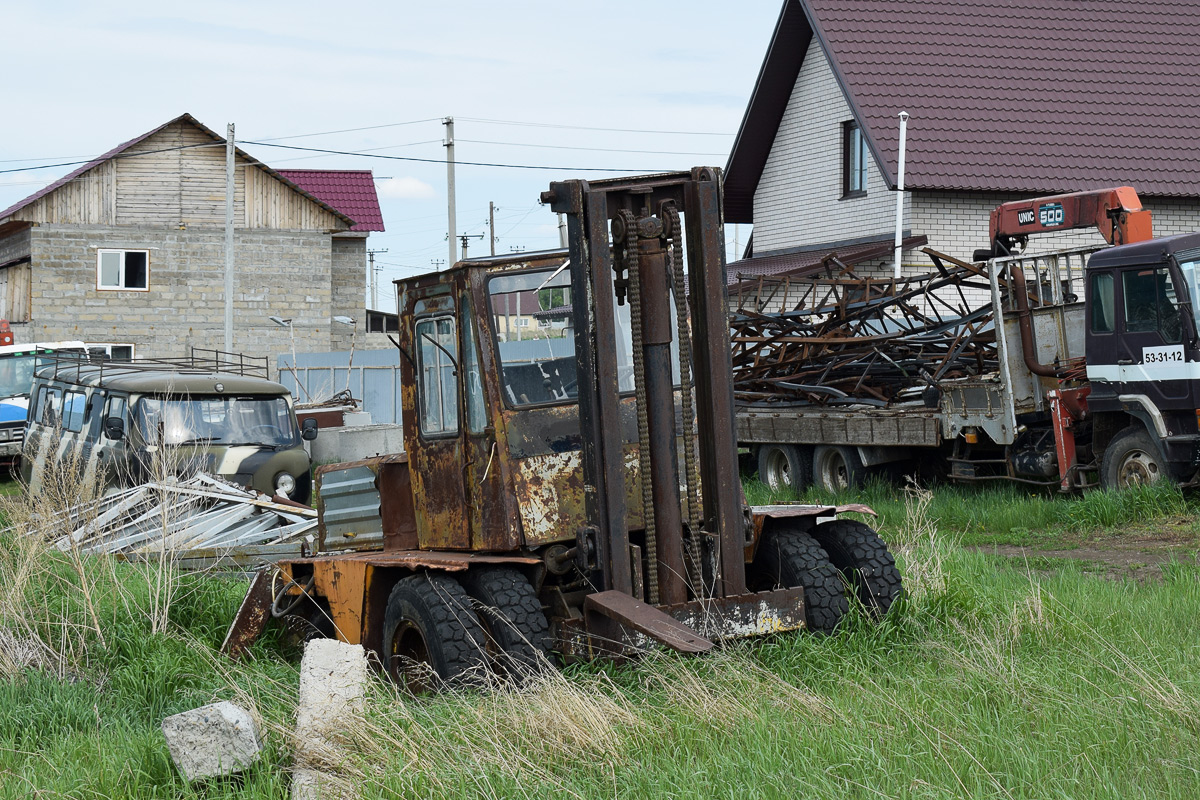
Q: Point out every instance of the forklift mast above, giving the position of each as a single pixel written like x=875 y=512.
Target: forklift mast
x=626 y=245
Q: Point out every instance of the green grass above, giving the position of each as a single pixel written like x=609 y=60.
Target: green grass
x=989 y=680
x=1007 y=514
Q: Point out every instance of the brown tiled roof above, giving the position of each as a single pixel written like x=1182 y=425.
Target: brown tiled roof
x=748 y=270
x=351 y=191
x=116 y=151
x=1003 y=96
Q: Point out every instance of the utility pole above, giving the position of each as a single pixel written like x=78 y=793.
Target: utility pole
x=452 y=235
x=492 y=225
x=371 y=277
x=438 y=263
x=229 y=187
x=562 y=230
x=463 y=237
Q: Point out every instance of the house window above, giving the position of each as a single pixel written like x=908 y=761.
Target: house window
x=854 y=160
x=123 y=270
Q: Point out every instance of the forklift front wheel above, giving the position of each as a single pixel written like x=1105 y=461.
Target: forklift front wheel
x=516 y=628
x=431 y=634
x=789 y=558
x=865 y=561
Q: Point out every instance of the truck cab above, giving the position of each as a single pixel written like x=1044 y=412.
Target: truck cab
x=1143 y=359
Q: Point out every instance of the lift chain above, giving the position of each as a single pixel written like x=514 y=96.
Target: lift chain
x=625 y=227
x=686 y=390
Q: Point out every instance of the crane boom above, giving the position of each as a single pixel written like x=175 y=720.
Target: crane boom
x=1117 y=213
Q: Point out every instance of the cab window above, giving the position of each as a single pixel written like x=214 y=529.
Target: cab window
x=1151 y=303
x=1102 y=303
x=437 y=383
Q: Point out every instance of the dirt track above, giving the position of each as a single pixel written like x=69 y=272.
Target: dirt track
x=1140 y=556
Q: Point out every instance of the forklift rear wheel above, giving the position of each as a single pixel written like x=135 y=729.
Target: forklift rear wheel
x=431 y=635
x=864 y=560
x=784 y=466
x=788 y=558
x=1131 y=459
x=836 y=469
x=514 y=624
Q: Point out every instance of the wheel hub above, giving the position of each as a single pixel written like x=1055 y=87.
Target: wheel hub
x=1138 y=469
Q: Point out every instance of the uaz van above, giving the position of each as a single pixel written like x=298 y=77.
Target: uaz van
x=137 y=421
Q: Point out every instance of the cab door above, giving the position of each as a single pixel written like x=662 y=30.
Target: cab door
x=1150 y=353
x=438 y=459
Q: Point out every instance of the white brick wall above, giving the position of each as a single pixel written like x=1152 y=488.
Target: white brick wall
x=798 y=200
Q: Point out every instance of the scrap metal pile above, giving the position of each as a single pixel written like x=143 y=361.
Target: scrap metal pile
x=195 y=523
x=853 y=340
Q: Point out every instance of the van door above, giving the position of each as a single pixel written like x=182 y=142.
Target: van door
x=112 y=455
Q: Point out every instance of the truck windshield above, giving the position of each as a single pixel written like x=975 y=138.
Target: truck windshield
x=1192 y=282
x=16 y=374
x=223 y=421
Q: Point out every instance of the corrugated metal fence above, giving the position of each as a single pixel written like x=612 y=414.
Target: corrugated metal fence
x=373 y=379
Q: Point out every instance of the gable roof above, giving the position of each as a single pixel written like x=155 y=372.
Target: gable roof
x=351 y=191
x=119 y=149
x=1003 y=96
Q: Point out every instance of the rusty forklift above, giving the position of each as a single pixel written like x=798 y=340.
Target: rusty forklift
x=570 y=480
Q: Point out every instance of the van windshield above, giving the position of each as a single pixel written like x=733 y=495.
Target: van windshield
x=223 y=421
x=16 y=374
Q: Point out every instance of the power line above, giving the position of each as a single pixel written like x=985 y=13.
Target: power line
x=584 y=128
x=354 y=130
x=443 y=161
x=119 y=155
x=594 y=149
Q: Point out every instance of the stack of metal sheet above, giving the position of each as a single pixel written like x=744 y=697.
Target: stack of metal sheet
x=195 y=523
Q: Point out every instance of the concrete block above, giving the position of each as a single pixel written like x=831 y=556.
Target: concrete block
x=333 y=678
x=217 y=739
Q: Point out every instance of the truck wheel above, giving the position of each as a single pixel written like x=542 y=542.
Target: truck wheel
x=788 y=558
x=516 y=629
x=836 y=469
x=1131 y=458
x=864 y=560
x=784 y=466
x=430 y=633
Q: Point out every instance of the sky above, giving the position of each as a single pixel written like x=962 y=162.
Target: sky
x=579 y=90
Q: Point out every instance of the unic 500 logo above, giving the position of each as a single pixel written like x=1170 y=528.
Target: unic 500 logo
x=1050 y=215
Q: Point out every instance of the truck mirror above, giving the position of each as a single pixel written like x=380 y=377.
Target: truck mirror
x=114 y=428
x=308 y=429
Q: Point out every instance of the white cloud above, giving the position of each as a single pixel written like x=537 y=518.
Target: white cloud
x=405 y=189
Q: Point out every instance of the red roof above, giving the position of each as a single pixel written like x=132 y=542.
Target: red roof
x=747 y=270
x=350 y=191
x=1004 y=96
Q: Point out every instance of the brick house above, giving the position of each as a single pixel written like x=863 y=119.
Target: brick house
x=129 y=249
x=1006 y=100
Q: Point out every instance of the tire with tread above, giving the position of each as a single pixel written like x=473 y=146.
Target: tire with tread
x=514 y=624
x=789 y=558
x=837 y=468
x=785 y=466
x=1131 y=458
x=865 y=561
x=430 y=621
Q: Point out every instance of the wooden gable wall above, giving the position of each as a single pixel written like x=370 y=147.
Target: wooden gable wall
x=176 y=178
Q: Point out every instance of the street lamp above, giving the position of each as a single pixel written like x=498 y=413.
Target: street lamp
x=286 y=322
x=344 y=320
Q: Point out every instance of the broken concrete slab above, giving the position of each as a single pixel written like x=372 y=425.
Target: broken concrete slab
x=217 y=739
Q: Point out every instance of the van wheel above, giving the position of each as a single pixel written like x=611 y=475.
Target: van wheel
x=789 y=558
x=517 y=632
x=431 y=635
x=864 y=560
x=784 y=466
x=836 y=469
x=1130 y=459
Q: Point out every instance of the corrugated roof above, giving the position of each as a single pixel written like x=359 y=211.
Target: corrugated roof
x=351 y=191
x=1003 y=96
x=748 y=270
x=116 y=151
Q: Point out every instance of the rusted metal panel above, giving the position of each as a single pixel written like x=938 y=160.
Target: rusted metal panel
x=614 y=606
x=252 y=617
x=350 y=509
x=550 y=497
x=342 y=583
x=449 y=560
